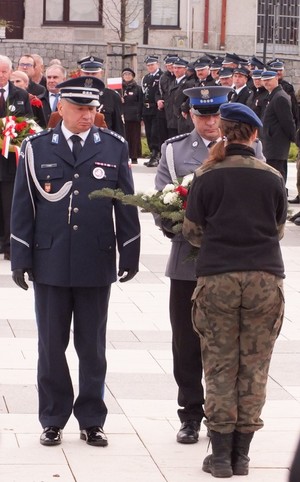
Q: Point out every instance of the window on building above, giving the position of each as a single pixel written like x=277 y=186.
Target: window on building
x=282 y=22
x=164 y=13
x=73 y=11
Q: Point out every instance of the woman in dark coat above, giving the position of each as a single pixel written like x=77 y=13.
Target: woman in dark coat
x=132 y=97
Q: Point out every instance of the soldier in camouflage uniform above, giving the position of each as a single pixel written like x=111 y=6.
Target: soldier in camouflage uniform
x=236 y=211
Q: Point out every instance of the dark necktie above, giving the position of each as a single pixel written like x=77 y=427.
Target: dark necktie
x=2 y=103
x=54 y=105
x=212 y=143
x=76 y=146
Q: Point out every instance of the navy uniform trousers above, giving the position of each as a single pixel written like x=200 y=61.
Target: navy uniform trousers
x=187 y=363
x=54 y=307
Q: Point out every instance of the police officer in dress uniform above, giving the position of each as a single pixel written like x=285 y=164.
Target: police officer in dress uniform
x=240 y=78
x=162 y=97
x=110 y=100
x=150 y=87
x=181 y=155
x=66 y=243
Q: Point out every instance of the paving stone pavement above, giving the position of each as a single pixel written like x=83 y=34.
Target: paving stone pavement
x=140 y=390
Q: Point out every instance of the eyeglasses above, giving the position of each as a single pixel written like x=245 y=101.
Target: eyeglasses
x=26 y=65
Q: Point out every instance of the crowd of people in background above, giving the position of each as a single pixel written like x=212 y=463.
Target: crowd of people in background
x=158 y=102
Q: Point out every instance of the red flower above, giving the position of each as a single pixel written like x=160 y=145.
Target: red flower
x=36 y=102
x=20 y=126
x=183 y=191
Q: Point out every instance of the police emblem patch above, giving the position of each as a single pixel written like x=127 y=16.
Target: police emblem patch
x=98 y=173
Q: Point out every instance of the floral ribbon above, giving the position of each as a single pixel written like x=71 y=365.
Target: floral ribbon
x=8 y=133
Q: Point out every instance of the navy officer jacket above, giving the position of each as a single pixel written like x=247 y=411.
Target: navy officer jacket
x=71 y=241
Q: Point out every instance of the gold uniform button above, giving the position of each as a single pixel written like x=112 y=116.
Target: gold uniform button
x=76 y=210
x=76 y=193
x=75 y=227
x=76 y=175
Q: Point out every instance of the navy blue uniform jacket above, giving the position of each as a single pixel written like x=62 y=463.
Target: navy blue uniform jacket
x=72 y=242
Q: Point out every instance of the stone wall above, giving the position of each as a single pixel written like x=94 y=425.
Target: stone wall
x=69 y=53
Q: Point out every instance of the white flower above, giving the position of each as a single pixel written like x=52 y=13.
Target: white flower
x=11 y=108
x=186 y=181
x=148 y=194
x=168 y=187
x=170 y=198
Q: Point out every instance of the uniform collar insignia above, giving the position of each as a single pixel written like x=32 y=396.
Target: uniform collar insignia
x=97 y=138
x=55 y=138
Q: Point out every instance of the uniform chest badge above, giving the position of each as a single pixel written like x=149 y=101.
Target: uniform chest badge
x=195 y=144
x=98 y=173
x=47 y=187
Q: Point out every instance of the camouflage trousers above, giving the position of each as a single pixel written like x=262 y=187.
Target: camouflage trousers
x=238 y=317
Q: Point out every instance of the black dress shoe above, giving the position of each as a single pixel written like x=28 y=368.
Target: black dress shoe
x=146 y=163
x=189 y=432
x=94 y=436
x=297 y=221
x=152 y=163
x=296 y=200
x=51 y=436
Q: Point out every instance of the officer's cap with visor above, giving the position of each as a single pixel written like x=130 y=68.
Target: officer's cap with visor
x=237 y=112
x=151 y=59
x=207 y=100
x=83 y=91
x=90 y=64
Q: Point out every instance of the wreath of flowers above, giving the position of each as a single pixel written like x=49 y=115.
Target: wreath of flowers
x=170 y=203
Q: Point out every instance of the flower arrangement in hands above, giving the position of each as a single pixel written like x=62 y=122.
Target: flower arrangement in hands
x=170 y=203
x=13 y=130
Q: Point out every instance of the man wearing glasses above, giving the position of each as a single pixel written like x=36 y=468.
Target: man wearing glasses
x=26 y=64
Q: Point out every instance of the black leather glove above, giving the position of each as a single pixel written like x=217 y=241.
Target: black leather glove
x=127 y=277
x=166 y=227
x=18 y=275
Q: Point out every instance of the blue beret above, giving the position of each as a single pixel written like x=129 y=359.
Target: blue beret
x=207 y=100
x=81 y=90
x=268 y=74
x=236 y=112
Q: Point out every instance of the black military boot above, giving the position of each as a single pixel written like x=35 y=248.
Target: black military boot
x=154 y=159
x=240 y=450
x=219 y=463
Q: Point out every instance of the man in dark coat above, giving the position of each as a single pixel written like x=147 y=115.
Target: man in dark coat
x=279 y=128
x=17 y=104
x=242 y=91
x=66 y=243
x=150 y=88
x=27 y=64
x=177 y=111
x=132 y=97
